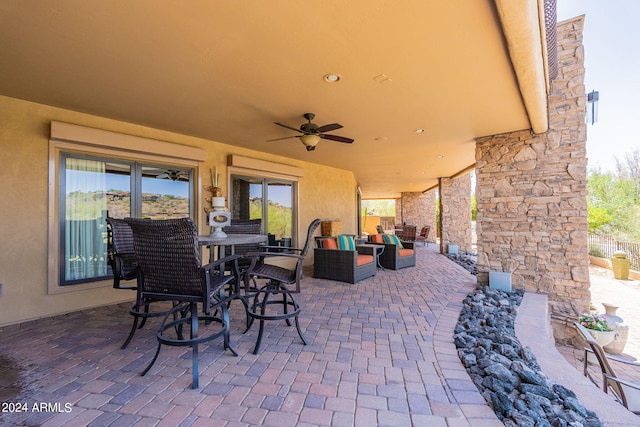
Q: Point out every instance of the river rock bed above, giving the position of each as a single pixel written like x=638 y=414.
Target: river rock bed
x=466 y=261
x=506 y=373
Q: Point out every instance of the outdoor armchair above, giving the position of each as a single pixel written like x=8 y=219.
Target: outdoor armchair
x=396 y=254
x=343 y=264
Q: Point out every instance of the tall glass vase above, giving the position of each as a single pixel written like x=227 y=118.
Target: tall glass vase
x=619 y=327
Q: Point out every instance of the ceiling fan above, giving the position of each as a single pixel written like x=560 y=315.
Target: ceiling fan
x=312 y=133
x=174 y=175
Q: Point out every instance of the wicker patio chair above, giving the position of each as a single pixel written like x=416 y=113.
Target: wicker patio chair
x=120 y=254
x=244 y=226
x=408 y=233
x=395 y=255
x=424 y=235
x=122 y=258
x=170 y=270
x=281 y=284
x=351 y=266
x=625 y=392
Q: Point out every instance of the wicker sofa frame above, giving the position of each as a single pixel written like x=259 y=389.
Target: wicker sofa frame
x=390 y=258
x=341 y=265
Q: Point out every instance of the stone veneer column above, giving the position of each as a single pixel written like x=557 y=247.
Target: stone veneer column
x=455 y=203
x=531 y=193
x=419 y=209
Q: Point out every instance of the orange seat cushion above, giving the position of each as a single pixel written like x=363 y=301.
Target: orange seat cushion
x=364 y=259
x=376 y=238
x=405 y=252
x=329 y=243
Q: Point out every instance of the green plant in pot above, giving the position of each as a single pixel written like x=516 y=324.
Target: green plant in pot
x=598 y=327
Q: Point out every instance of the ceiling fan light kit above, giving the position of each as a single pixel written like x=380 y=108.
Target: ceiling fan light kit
x=312 y=133
x=310 y=141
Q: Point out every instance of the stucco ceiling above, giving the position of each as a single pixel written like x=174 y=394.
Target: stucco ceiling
x=226 y=70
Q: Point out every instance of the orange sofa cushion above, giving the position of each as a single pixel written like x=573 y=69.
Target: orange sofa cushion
x=376 y=238
x=329 y=243
x=405 y=252
x=364 y=259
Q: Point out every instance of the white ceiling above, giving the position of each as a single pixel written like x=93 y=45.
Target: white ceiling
x=226 y=70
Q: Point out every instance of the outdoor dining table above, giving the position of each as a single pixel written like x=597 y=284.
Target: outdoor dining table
x=231 y=240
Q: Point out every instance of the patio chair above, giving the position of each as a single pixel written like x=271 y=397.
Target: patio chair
x=424 y=235
x=625 y=392
x=379 y=229
x=170 y=270
x=281 y=283
x=344 y=263
x=120 y=254
x=408 y=233
x=396 y=254
x=122 y=258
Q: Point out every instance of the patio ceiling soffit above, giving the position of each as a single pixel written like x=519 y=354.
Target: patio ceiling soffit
x=523 y=24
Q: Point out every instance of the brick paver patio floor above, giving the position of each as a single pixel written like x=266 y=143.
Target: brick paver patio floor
x=380 y=353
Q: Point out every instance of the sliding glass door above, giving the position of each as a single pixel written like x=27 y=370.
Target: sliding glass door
x=271 y=200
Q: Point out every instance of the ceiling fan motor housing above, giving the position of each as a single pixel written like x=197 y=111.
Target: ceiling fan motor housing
x=309 y=128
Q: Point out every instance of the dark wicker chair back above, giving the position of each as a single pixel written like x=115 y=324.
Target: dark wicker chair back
x=379 y=229
x=244 y=226
x=168 y=257
x=408 y=233
x=120 y=253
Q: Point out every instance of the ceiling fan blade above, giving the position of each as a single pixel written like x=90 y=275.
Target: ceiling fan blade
x=287 y=126
x=337 y=138
x=329 y=127
x=286 y=137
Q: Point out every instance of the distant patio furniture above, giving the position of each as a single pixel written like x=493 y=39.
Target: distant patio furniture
x=424 y=235
x=625 y=392
x=379 y=229
x=170 y=270
x=281 y=284
x=408 y=233
x=396 y=254
x=342 y=264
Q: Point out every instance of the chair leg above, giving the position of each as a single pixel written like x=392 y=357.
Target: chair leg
x=263 y=307
x=131 y=333
x=194 y=346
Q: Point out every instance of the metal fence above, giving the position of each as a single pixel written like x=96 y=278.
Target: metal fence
x=603 y=246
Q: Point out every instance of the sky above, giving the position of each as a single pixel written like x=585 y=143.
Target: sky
x=612 y=62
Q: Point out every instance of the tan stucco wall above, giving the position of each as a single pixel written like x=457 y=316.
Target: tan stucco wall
x=24 y=138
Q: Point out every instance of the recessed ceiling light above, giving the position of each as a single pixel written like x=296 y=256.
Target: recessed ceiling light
x=381 y=138
x=419 y=130
x=441 y=156
x=331 y=78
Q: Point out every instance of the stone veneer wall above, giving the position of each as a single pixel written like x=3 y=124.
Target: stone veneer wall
x=455 y=199
x=531 y=193
x=418 y=209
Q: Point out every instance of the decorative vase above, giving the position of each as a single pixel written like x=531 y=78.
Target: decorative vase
x=621 y=330
x=602 y=337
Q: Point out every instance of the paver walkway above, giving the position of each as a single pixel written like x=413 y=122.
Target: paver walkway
x=380 y=353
